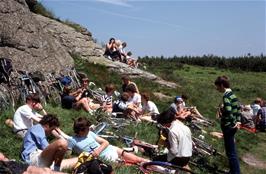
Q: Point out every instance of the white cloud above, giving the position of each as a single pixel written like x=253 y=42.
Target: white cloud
x=116 y=2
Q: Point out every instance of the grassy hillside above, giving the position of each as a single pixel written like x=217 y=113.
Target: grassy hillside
x=196 y=82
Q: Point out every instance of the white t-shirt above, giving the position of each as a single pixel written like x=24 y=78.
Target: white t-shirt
x=135 y=99
x=180 y=140
x=150 y=107
x=22 y=118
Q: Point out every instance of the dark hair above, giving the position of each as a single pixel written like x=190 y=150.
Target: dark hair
x=50 y=119
x=131 y=88
x=109 y=88
x=124 y=44
x=124 y=96
x=111 y=39
x=145 y=96
x=129 y=53
x=222 y=80
x=184 y=96
x=166 y=117
x=67 y=90
x=34 y=97
x=80 y=124
x=125 y=77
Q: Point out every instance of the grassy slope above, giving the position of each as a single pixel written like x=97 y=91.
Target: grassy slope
x=197 y=82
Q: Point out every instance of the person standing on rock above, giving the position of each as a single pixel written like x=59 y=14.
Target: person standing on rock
x=230 y=121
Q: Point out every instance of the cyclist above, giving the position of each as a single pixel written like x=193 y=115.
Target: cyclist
x=25 y=115
x=179 y=141
x=107 y=99
x=9 y=167
x=37 y=151
x=230 y=121
x=86 y=140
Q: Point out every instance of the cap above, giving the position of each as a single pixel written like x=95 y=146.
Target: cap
x=178 y=99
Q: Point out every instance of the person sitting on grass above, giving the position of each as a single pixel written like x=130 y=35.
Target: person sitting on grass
x=179 y=141
x=256 y=106
x=37 y=151
x=107 y=99
x=14 y=167
x=76 y=101
x=127 y=81
x=178 y=108
x=148 y=108
x=261 y=118
x=131 y=61
x=120 y=106
x=26 y=115
x=134 y=103
x=85 y=140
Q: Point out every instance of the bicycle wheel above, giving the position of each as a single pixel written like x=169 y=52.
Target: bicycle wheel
x=164 y=168
x=53 y=96
x=99 y=128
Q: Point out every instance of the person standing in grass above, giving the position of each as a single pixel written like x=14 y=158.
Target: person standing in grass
x=230 y=121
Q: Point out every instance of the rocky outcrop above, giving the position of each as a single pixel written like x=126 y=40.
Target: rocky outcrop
x=23 y=39
x=80 y=43
x=35 y=42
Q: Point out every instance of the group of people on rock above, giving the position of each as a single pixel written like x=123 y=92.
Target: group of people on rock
x=115 y=50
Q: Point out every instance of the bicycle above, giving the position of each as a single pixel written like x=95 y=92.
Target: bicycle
x=27 y=86
x=147 y=149
x=164 y=168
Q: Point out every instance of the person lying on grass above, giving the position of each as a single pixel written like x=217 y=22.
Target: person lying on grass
x=76 y=100
x=14 y=167
x=85 y=140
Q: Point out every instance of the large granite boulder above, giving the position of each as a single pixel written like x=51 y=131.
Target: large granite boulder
x=23 y=39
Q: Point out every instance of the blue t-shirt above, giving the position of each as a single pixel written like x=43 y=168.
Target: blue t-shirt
x=87 y=144
x=35 y=138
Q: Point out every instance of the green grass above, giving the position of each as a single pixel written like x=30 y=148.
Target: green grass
x=197 y=82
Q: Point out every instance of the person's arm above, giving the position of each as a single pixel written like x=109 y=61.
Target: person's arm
x=103 y=144
x=173 y=143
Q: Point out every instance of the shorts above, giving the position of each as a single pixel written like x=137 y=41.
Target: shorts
x=111 y=154
x=36 y=159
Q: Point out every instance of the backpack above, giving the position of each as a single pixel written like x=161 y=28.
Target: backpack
x=5 y=69
x=87 y=164
x=66 y=80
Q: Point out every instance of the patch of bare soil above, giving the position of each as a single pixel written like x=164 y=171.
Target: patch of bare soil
x=251 y=160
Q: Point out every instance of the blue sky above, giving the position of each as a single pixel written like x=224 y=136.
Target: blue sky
x=172 y=27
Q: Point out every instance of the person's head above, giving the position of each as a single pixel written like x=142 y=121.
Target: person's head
x=84 y=82
x=129 y=53
x=125 y=79
x=221 y=83
x=81 y=126
x=2 y=157
x=124 y=44
x=49 y=123
x=145 y=97
x=258 y=101
x=109 y=89
x=166 y=118
x=67 y=90
x=184 y=97
x=33 y=100
x=111 y=40
x=131 y=89
x=178 y=100
x=125 y=96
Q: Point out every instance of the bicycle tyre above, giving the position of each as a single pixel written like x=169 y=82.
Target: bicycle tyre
x=54 y=96
x=163 y=167
x=100 y=127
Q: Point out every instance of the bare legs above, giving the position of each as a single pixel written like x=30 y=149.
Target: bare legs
x=55 y=152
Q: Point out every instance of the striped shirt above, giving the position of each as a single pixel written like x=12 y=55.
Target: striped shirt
x=107 y=99
x=231 y=110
